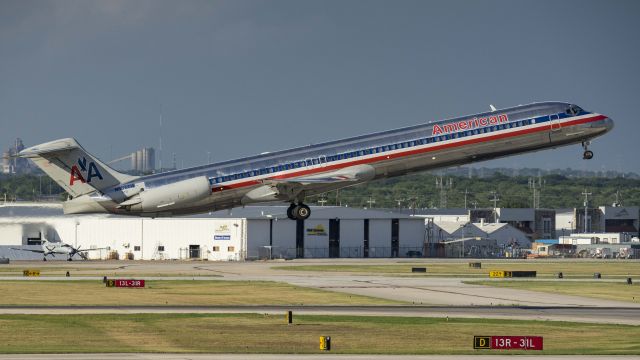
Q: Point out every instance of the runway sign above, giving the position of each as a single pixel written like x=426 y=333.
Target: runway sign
x=31 y=273
x=120 y=283
x=499 y=274
x=508 y=342
x=508 y=274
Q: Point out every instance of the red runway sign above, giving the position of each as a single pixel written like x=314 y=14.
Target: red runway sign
x=508 y=342
x=125 y=283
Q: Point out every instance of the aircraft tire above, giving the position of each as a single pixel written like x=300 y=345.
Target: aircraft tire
x=290 y=213
x=588 y=155
x=302 y=212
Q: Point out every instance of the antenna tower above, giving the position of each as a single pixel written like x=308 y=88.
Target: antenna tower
x=443 y=186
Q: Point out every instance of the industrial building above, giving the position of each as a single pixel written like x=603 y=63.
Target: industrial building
x=505 y=235
x=142 y=161
x=238 y=234
x=610 y=219
x=533 y=223
x=12 y=164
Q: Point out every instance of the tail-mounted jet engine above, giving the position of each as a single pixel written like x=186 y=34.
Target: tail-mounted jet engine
x=168 y=197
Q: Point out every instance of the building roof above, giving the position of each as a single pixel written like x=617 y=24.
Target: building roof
x=48 y=210
x=30 y=209
x=451 y=226
x=490 y=228
x=548 y=241
x=317 y=212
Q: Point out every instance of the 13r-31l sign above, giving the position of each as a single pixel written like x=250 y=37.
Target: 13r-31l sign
x=508 y=342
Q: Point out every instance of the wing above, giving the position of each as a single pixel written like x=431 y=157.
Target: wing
x=285 y=189
x=35 y=251
x=357 y=173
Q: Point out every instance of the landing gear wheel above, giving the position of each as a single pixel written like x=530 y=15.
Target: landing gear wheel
x=290 y=212
x=301 y=212
x=588 y=154
x=44 y=259
x=69 y=259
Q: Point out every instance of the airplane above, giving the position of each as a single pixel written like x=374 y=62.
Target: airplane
x=49 y=248
x=291 y=175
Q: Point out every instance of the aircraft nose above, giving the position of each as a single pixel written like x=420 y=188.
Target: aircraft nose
x=608 y=124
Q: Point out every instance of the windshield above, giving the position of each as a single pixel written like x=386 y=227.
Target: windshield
x=574 y=110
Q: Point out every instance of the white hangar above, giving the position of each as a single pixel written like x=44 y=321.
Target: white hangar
x=238 y=234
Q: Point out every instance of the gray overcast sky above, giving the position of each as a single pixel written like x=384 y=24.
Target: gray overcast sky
x=239 y=77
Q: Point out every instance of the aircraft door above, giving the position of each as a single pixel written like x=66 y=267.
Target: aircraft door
x=322 y=160
x=555 y=122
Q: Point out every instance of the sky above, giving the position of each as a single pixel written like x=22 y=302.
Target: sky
x=236 y=78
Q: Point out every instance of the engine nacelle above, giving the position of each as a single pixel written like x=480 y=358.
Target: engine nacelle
x=170 y=196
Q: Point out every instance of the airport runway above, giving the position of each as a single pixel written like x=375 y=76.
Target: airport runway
x=442 y=296
x=293 y=357
x=629 y=316
x=440 y=291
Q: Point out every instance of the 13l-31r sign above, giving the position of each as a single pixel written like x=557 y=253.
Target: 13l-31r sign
x=508 y=342
x=125 y=283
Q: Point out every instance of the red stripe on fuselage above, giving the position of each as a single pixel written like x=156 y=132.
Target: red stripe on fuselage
x=411 y=152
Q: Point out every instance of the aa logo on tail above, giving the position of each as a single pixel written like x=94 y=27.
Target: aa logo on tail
x=91 y=172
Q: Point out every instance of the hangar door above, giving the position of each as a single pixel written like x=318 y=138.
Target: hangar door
x=395 y=237
x=334 y=238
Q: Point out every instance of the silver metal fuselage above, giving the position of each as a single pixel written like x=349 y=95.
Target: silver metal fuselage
x=391 y=153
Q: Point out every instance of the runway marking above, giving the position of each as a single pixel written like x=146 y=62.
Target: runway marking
x=515 y=301
x=216 y=271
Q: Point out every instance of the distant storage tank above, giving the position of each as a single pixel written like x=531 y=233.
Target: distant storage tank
x=134 y=160
x=6 y=162
x=144 y=160
x=139 y=160
x=148 y=159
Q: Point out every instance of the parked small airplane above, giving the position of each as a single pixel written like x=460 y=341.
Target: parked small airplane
x=291 y=175
x=53 y=249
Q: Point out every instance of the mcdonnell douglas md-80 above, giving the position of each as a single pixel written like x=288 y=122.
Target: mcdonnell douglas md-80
x=291 y=175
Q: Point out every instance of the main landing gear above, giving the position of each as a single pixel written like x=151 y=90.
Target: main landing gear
x=298 y=212
x=588 y=154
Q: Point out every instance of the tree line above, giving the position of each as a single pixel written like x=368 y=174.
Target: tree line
x=421 y=191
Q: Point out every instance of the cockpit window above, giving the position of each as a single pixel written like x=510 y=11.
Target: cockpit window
x=574 y=110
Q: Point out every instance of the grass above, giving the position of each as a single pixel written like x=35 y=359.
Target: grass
x=75 y=293
x=601 y=290
x=57 y=268
x=544 y=268
x=253 y=333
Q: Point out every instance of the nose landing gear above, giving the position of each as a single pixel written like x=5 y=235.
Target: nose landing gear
x=588 y=154
x=298 y=212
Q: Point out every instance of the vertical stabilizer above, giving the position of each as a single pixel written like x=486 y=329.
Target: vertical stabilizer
x=74 y=169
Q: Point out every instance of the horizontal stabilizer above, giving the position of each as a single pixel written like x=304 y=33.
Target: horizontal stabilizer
x=74 y=169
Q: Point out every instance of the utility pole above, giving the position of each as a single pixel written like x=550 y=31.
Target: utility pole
x=536 y=186
x=618 y=201
x=371 y=201
x=322 y=201
x=466 y=192
x=160 y=143
x=586 y=208
x=495 y=200
x=443 y=186
x=399 y=202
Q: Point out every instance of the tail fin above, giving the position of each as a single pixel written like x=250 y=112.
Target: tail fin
x=74 y=169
